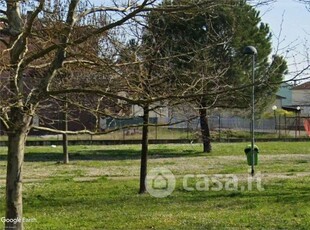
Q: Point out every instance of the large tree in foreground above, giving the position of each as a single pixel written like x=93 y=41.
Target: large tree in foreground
x=38 y=44
x=213 y=39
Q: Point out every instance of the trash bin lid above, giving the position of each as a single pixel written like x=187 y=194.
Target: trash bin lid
x=248 y=147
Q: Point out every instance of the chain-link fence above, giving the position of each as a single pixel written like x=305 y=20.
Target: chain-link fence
x=176 y=128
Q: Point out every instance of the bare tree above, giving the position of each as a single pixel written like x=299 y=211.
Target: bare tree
x=140 y=76
x=58 y=56
x=36 y=47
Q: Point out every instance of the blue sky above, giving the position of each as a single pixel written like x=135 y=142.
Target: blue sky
x=290 y=25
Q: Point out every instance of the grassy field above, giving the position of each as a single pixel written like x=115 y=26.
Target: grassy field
x=98 y=189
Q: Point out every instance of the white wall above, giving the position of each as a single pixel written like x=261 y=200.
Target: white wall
x=302 y=98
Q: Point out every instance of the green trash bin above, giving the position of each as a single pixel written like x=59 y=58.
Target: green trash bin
x=249 y=155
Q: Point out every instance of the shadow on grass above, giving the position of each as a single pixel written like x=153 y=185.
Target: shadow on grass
x=106 y=155
x=129 y=195
x=123 y=204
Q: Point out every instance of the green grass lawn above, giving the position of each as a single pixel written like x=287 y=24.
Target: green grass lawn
x=98 y=189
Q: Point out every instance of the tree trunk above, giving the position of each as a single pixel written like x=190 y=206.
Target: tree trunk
x=144 y=151
x=65 y=148
x=14 y=203
x=17 y=135
x=205 y=131
x=65 y=136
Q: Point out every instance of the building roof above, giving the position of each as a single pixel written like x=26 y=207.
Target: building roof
x=292 y=108
x=280 y=97
x=305 y=85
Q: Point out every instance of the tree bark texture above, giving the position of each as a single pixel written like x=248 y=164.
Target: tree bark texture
x=205 y=131
x=65 y=148
x=144 y=151
x=16 y=145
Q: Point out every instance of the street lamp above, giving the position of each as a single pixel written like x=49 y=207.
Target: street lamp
x=251 y=50
x=298 y=113
x=274 y=108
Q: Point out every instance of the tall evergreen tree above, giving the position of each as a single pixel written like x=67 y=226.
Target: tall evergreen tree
x=205 y=44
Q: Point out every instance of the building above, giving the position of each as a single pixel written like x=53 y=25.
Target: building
x=301 y=98
x=285 y=94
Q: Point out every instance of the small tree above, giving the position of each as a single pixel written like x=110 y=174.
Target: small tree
x=140 y=75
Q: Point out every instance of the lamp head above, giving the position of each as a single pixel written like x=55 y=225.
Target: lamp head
x=251 y=50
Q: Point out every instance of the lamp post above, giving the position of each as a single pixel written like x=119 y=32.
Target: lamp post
x=298 y=120
x=251 y=50
x=274 y=108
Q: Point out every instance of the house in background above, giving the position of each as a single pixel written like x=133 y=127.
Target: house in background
x=301 y=98
x=293 y=98
x=283 y=98
x=285 y=94
x=278 y=102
